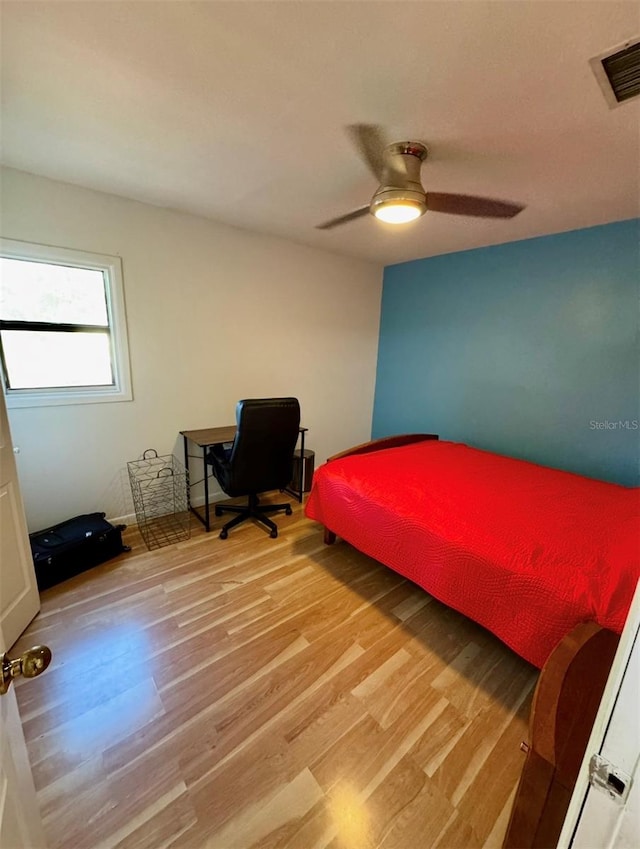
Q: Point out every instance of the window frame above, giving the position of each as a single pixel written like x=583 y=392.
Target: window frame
x=111 y=268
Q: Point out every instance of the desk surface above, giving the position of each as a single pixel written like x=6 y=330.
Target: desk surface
x=215 y=435
x=211 y=435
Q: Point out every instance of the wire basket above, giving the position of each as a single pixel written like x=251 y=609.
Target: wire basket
x=159 y=490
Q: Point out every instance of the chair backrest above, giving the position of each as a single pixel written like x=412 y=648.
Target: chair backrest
x=262 y=455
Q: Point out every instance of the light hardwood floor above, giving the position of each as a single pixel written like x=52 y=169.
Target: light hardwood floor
x=268 y=693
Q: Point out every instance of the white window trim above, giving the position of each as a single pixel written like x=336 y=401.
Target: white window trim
x=112 y=265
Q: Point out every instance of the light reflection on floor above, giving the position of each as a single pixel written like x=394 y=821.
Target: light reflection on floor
x=92 y=666
x=350 y=817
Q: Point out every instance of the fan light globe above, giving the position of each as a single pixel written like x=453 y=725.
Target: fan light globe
x=397 y=212
x=399 y=205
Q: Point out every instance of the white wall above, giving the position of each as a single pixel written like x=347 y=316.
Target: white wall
x=214 y=314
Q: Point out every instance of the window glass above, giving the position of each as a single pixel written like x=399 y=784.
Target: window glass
x=63 y=335
x=39 y=291
x=42 y=359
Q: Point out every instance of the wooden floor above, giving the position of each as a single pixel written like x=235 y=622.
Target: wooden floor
x=268 y=693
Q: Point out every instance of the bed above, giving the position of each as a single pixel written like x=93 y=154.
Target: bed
x=526 y=551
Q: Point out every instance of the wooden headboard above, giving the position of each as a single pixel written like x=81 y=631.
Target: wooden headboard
x=385 y=442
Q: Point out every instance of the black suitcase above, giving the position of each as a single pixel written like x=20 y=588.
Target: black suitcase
x=66 y=549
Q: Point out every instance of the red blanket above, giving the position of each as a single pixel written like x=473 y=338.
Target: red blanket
x=526 y=551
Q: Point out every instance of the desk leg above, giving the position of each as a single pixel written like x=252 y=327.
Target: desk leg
x=301 y=476
x=204 y=519
x=207 y=524
x=186 y=465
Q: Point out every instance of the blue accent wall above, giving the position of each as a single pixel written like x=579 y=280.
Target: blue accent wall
x=529 y=349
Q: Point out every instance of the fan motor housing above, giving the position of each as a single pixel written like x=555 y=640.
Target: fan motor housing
x=402 y=162
x=401 y=176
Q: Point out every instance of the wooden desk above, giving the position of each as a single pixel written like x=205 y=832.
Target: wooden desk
x=204 y=439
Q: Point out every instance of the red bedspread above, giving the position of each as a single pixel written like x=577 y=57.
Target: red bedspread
x=526 y=551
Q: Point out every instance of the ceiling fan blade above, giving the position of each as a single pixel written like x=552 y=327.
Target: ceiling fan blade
x=342 y=219
x=471 y=205
x=370 y=144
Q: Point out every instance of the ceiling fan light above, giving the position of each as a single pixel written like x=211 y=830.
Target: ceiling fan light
x=398 y=211
x=398 y=205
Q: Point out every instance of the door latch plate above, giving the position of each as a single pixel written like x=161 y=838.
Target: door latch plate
x=609 y=779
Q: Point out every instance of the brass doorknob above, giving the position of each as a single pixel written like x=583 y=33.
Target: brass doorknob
x=30 y=664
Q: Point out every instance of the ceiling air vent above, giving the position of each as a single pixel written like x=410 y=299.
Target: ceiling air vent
x=623 y=72
x=618 y=72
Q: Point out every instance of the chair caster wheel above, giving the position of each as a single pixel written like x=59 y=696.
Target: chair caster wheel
x=288 y=511
x=224 y=534
x=273 y=534
x=217 y=511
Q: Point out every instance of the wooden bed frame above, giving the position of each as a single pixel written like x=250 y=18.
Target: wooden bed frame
x=564 y=708
x=376 y=445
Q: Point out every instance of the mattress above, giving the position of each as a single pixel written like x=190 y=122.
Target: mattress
x=524 y=550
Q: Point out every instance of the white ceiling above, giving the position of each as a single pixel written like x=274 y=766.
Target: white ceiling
x=236 y=110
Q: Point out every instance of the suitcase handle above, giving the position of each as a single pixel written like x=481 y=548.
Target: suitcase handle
x=52 y=541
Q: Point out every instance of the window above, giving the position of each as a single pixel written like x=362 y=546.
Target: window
x=63 y=336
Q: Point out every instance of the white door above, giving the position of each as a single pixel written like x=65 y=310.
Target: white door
x=605 y=809
x=20 y=824
x=19 y=599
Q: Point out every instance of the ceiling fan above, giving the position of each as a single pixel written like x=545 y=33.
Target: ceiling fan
x=400 y=197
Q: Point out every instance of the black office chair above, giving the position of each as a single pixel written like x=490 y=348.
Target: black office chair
x=259 y=460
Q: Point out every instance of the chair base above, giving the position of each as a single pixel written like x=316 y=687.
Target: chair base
x=252 y=510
